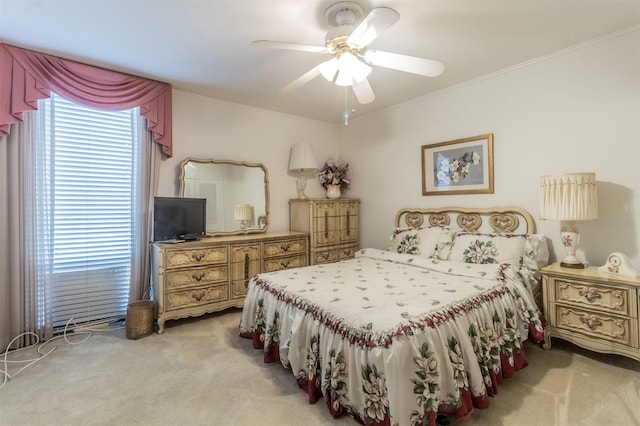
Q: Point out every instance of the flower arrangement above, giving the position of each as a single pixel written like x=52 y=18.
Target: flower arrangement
x=455 y=169
x=334 y=172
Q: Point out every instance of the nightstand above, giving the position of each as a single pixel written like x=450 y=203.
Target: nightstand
x=593 y=310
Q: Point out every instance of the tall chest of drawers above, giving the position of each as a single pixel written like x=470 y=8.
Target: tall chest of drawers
x=593 y=310
x=194 y=278
x=332 y=224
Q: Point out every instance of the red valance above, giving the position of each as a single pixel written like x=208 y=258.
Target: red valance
x=27 y=76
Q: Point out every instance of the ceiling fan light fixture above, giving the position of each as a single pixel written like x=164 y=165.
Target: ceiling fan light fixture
x=351 y=66
x=329 y=69
x=351 y=61
x=344 y=78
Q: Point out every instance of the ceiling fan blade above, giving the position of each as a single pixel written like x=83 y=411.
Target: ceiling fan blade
x=412 y=64
x=289 y=46
x=303 y=79
x=374 y=24
x=363 y=92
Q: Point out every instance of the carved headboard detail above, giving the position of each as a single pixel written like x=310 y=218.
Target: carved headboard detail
x=491 y=219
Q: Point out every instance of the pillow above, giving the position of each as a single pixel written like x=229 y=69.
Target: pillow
x=536 y=255
x=434 y=241
x=536 y=251
x=469 y=247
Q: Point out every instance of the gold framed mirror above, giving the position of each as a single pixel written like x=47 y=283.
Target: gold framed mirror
x=237 y=194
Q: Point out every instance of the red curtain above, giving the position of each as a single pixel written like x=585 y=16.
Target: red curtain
x=27 y=76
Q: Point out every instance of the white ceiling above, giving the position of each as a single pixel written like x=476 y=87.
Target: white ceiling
x=204 y=46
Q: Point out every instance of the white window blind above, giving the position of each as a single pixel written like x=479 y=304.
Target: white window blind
x=91 y=157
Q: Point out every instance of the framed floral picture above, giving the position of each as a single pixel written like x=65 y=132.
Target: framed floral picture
x=462 y=166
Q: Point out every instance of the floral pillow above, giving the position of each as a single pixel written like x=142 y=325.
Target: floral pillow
x=434 y=241
x=488 y=248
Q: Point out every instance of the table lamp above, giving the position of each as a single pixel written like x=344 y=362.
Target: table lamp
x=301 y=160
x=569 y=197
x=243 y=213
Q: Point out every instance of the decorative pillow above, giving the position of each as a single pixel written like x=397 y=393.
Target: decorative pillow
x=536 y=251
x=487 y=248
x=434 y=241
x=536 y=255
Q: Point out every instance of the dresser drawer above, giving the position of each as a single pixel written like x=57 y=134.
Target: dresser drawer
x=323 y=209
x=347 y=252
x=326 y=237
x=245 y=253
x=239 y=289
x=602 y=297
x=596 y=324
x=348 y=222
x=324 y=256
x=347 y=208
x=278 y=248
x=198 y=296
x=278 y=264
x=180 y=278
x=195 y=257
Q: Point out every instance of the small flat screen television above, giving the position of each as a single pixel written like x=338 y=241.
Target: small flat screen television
x=177 y=218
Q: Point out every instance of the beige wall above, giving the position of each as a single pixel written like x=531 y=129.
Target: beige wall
x=209 y=128
x=575 y=111
x=578 y=111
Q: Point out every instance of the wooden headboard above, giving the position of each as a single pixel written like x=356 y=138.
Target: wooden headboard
x=491 y=219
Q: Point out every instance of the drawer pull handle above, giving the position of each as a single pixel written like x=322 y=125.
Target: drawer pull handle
x=591 y=294
x=198 y=296
x=326 y=224
x=198 y=277
x=285 y=247
x=591 y=322
x=285 y=263
x=348 y=224
x=197 y=256
x=246 y=268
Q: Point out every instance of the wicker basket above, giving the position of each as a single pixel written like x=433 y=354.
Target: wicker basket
x=139 y=321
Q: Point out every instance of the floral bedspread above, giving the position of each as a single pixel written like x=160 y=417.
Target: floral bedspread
x=391 y=338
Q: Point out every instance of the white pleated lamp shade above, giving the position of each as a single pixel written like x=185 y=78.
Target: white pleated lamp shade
x=569 y=197
x=301 y=158
x=243 y=212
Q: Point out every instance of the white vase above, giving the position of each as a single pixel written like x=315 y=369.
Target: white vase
x=333 y=191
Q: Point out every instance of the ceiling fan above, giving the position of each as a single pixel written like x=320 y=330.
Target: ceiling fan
x=351 y=59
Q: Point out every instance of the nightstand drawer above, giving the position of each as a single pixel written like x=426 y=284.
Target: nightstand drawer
x=602 y=297
x=595 y=324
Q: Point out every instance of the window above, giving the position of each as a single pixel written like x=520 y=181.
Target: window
x=87 y=172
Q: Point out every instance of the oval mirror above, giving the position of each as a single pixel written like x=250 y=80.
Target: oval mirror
x=237 y=194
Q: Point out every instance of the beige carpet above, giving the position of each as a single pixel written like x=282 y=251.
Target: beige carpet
x=199 y=372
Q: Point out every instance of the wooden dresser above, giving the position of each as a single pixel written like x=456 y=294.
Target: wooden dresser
x=593 y=310
x=194 y=278
x=332 y=225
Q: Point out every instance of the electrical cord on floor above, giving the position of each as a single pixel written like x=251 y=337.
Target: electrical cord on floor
x=85 y=331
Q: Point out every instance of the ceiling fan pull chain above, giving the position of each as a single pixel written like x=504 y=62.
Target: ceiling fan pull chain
x=346 y=107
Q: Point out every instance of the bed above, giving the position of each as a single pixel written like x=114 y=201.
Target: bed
x=428 y=327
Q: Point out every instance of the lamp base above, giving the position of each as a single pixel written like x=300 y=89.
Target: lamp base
x=570 y=237
x=301 y=184
x=573 y=265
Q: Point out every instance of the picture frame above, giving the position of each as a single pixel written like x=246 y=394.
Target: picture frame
x=461 y=166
